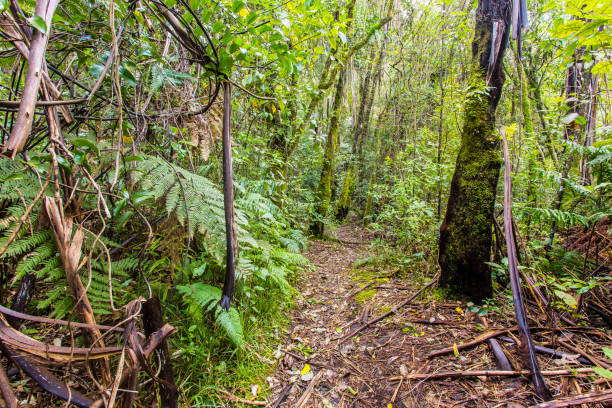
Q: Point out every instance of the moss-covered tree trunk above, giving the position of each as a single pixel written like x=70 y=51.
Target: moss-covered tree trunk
x=323 y=194
x=344 y=202
x=360 y=133
x=466 y=232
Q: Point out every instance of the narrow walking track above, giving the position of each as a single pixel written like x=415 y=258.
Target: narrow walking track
x=340 y=375
x=320 y=367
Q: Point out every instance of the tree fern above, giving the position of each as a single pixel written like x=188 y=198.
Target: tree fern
x=194 y=200
x=562 y=218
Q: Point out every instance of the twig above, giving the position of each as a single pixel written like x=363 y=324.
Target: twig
x=585 y=355
x=549 y=351
x=577 y=400
x=306 y=395
x=16 y=104
x=265 y=98
x=7 y=392
x=390 y=312
x=234 y=398
x=480 y=339
x=361 y=289
x=487 y=373
x=397 y=390
x=40 y=319
x=282 y=396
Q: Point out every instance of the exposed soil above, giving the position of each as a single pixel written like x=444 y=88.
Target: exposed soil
x=320 y=367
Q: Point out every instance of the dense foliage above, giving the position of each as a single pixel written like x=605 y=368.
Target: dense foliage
x=342 y=110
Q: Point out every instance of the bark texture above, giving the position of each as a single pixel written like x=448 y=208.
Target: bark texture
x=465 y=233
x=323 y=197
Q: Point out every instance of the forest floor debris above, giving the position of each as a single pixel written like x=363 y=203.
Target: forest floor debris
x=405 y=359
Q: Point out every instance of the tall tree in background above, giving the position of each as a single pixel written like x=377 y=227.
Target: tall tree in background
x=465 y=233
x=323 y=193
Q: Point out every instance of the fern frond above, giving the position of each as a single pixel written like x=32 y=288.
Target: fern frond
x=207 y=297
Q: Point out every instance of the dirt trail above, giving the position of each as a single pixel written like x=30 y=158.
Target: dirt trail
x=337 y=298
x=316 y=369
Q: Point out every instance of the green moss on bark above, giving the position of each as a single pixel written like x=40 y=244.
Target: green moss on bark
x=466 y=233
x=368 y=207
x=323 y=194
x=344 y=203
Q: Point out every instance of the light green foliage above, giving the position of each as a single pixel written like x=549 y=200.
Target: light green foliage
x=207 y=297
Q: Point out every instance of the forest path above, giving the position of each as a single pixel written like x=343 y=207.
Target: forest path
x=322 y=365
x=316 y=368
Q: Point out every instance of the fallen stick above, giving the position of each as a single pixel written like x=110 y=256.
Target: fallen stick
x=490 y=334
x=232 y=397
x=282 y=396
x=480 y=339
x=486 y=373
x=548 y=351
x=306 y=395
x=502 y=360
x=7 y=391
x=17 y=317
x=577 y=400
x=359 y=290
x=390 y=312
x=46 y=380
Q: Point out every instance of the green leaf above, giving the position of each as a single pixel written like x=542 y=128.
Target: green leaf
x=567 y=298
x=608 y=352
x=127 y=75
x=237 y=5
x=199 y=271
x=230 y=321
x=3 y=5
x=602 y=67
x=80 y=142
x=218 y=26
x=123 y=219
x=38 y=23
x=95 y=70
x=226 y=61
x=602 y=372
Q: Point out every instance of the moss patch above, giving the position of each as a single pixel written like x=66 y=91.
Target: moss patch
x=365 y=295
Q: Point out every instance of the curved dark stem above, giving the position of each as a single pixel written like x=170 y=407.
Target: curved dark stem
x=22 y=298
x=525 y=346
x=228 y=201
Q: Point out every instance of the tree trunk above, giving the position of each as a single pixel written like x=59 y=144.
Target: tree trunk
x=578 y=102
x=362 y=125
x=465 y=233
x=323 y=194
